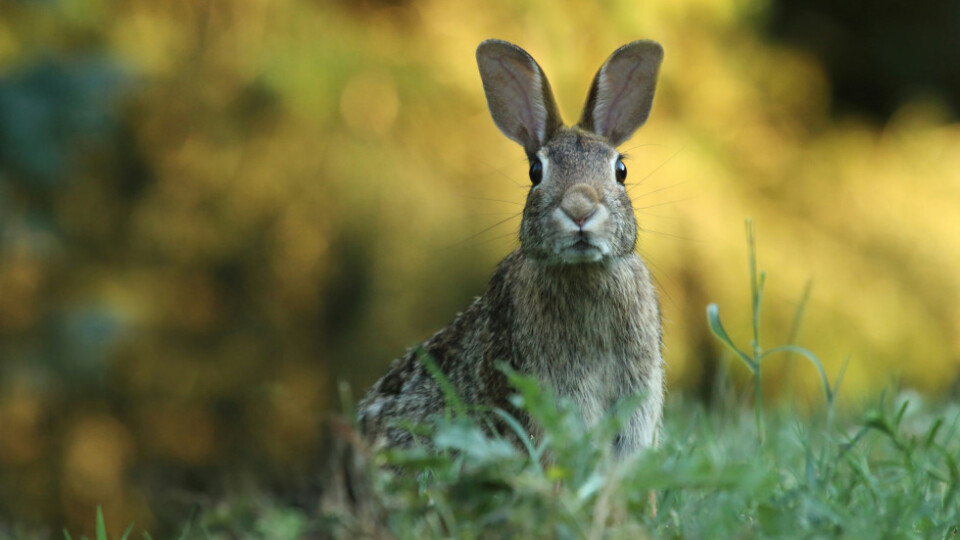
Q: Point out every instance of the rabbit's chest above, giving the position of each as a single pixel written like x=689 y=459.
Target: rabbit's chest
x=594 y=382
x=591 y=335
x=591 y=357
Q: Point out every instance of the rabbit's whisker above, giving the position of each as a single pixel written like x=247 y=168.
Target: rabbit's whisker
x=648 y=193
x=487 y=229
x=632 y=148
x=659 y=270
x=660 y=166
x=666 y=235
x=515 y=203
x=495 y=238
x=502 y=173
x=666 y=203
x=657 y=216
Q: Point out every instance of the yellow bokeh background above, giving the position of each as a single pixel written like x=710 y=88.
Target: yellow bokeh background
x=301 y=189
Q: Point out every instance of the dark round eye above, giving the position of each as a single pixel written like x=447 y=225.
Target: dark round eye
x=536 y=171
x=621 y=171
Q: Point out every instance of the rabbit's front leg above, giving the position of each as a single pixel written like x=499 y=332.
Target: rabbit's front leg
x=643 y=427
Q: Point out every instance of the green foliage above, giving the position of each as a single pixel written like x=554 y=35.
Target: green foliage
x=889 y=471
x=241 y=518
x=757 y=354
x=102 y=530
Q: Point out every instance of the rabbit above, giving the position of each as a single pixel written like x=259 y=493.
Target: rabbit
x=574 y=306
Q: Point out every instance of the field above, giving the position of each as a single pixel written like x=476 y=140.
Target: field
x=733 y=469
x=888 y=471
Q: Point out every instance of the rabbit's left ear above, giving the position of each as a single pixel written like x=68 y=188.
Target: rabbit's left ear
x=518 y=94
x=621 y=95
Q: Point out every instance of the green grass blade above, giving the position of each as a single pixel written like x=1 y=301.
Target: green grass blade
x=127 y=532
x=449 y=392
x=813 y=360
x=900 y=413
x=793 y=337
x=66 y=534
x=757 y=308
x=185 y=533
x=713 y=319
x=839 y=381
x=521 y=434
x=755 y=285
x=101 y=527
x=346 y=400
x=934 y=429
x=799 y=314
x=954 y=484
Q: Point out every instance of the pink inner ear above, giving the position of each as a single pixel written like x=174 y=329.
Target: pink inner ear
x=610 y=110
x=522 y=97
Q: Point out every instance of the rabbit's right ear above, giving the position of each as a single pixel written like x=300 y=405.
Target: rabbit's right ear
x=518 y=94
x=622 y=91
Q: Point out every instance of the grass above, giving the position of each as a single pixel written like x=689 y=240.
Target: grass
x=754 y=359
x=887 y=471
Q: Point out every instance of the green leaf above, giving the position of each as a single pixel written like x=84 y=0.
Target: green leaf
x=713 y=319
x=466 y=437
x=932 y=434
x=954 y=478
x=521 y=434
x=593 y=484
x=449 y=392
x=799 y=313
x=101 y=528
x=794 y=349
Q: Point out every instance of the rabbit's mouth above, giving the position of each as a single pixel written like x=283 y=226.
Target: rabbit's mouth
x=581 y=251
x=583 y=245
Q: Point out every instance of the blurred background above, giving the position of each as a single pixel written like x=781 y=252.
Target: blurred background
x=212 y=212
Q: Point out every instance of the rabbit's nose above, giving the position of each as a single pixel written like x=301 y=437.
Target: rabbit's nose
x=579 y=203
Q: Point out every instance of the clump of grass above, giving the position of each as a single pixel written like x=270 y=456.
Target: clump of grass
x=887 y=472
x=101 y=532
x=239 y=518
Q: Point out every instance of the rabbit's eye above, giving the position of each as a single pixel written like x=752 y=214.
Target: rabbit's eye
x=621 y=171
x=536 y=171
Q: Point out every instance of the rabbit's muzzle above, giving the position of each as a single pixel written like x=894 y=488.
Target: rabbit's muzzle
x=580 y=222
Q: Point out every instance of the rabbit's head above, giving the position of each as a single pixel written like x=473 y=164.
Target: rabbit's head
x=577 y=210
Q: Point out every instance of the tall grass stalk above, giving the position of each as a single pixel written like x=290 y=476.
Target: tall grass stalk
x=754 y=360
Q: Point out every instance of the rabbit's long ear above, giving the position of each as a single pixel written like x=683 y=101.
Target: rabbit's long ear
x=622 y=91
x=518 y=94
